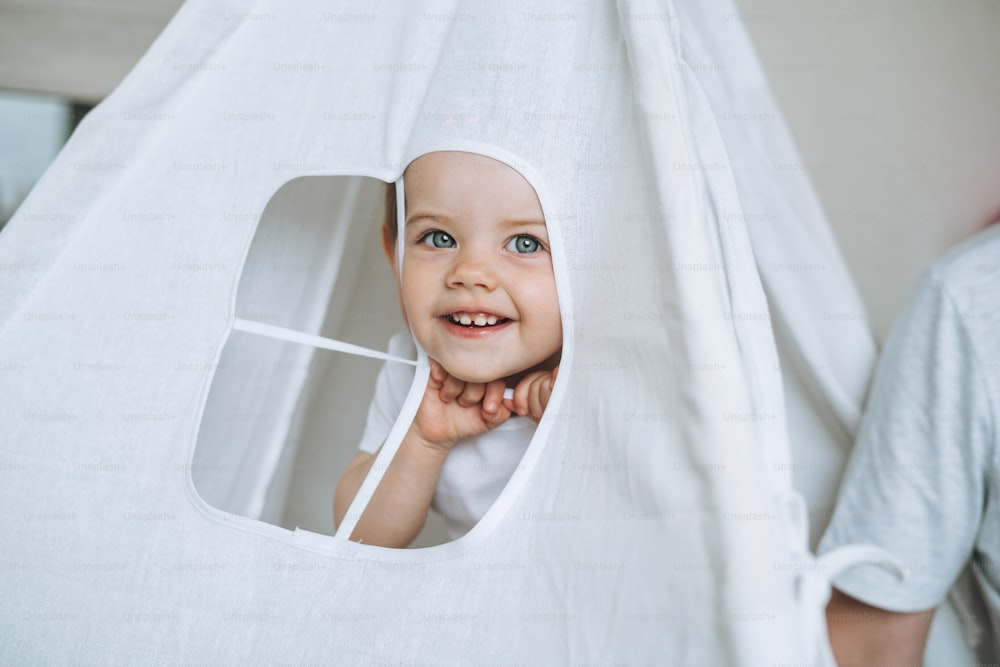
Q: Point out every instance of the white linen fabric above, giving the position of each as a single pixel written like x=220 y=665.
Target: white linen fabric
x=652 y=515
x=923 y=481
x=476 y=469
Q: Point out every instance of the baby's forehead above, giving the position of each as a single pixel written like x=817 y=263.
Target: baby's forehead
x=459 y=185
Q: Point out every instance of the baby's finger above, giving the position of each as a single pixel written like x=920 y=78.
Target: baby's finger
x=539 y=394
x=496 y=418
x=545 y=390
x=521 y=391
x=493 y=397
x=438 y=375
x=471 y=394
x=535 y=404
x=451 y=389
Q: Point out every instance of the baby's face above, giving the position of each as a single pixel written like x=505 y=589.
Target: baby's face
x=478 y=289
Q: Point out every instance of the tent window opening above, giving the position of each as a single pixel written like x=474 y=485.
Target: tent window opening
x=284 y=415
x=288 y=412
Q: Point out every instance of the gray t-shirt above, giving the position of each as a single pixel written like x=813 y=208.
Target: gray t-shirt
x=922 y=481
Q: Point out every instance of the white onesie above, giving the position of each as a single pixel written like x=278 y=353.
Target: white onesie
x=477 y=468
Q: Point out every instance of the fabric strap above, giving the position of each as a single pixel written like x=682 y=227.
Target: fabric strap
x=815 y=574
x=292 y=336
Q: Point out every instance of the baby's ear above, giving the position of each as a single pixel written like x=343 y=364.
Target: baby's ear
x=389 y=246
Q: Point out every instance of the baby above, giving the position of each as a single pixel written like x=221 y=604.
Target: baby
x=478 y=293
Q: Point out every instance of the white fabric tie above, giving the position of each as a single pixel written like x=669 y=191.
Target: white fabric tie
x=293 y=336
x=816 y=573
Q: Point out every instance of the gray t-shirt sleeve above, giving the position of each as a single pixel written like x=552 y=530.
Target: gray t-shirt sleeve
x=915 y=481
x=391 y=387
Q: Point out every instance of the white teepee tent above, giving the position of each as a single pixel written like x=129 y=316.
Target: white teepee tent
x=652 y=517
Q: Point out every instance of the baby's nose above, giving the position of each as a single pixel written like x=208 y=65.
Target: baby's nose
x=472 y=270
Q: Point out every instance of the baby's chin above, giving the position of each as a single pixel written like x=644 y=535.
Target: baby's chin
x=474 y=377
x=477 y=374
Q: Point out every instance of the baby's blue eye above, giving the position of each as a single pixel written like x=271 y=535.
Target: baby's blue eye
x=438 y=239
x=524 y=244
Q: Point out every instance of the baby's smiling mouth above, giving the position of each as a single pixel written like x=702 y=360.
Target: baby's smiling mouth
x=473 y=319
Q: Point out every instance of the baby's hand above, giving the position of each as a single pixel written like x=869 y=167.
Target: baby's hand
x=531 y=394
x=453 y=409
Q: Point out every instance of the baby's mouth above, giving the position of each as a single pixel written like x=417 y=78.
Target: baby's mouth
x=473 y=320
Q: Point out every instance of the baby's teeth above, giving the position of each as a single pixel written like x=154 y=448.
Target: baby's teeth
x=479 y=320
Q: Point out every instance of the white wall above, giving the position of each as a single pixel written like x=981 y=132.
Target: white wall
x=894 y=105
x=76 y=48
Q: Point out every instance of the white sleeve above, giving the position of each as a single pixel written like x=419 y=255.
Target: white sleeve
x=391 y=388
x=916 y=480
